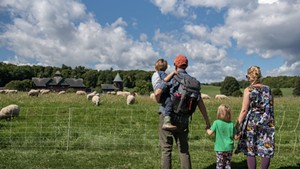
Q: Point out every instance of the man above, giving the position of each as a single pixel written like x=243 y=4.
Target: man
x=180 y=134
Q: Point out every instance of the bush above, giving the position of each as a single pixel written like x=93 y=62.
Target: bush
x=237 y=93
x=296 y=91
x=24 y=85
x=277 y=92
x=71 y=90
x=229 y=86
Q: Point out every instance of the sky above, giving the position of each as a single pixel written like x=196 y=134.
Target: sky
x=220 y=38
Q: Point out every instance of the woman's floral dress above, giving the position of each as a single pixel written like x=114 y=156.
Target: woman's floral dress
x=258 y=128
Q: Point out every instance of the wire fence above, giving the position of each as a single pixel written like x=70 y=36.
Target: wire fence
x=69 y=128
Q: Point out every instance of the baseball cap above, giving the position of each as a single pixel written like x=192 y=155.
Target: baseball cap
x=180 y=60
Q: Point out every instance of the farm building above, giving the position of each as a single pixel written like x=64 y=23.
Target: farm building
x=116 y=86
x=58 y=83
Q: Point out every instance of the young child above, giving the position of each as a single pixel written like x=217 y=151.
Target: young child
x=225 y=133
x=160 y=79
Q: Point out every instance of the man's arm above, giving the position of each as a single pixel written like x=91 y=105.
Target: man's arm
x=157 y=94
x=202 y=109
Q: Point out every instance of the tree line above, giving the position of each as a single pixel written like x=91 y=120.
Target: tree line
x=19 y=78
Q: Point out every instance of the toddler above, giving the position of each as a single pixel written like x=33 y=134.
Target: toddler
x=161 y=79
x=225 y=133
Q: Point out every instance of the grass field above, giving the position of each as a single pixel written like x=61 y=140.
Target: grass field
x=68 y=131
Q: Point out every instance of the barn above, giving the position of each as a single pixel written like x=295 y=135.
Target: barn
x=58 y=83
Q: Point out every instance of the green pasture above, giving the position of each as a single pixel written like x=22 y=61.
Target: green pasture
x=68 y=131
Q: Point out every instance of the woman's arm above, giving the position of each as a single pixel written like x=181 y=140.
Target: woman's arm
x=245 y=105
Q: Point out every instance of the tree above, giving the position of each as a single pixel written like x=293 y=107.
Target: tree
x=229 y=86
x=143 y=87
x=296 y=91
x=90 y=78
x=277 y=92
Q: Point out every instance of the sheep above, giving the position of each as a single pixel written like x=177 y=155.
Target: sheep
x=130 y=99
x=205 y=96
x=80 y=92
x=9 y=112
x=61 y=92
x=11 y=91
x=221 y=96
x=96 y=99
x=45 y=91
x=91 y=95
x=123 y=93
x=33 y=92
x=152 y=96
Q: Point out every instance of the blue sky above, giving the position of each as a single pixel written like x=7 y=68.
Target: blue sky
x=220 y=38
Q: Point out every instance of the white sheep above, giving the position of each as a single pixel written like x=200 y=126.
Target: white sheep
x=152 y=96
x=80 y=92
x=33 y=92
x=205 y=96
x=91 y=95
x=123 y=93
x=8 y=91
x=44 y=91
x=9 y=112
x=130 y=99
x=221 y=96
x=61 y=92
x=96 y=99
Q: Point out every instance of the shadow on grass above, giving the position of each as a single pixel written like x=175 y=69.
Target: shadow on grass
x=291 y=167
x=242 y=164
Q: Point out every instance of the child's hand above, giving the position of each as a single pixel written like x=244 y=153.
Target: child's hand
x=174 y=72
x=209 y=132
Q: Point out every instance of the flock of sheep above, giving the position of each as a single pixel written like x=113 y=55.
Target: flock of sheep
x=95 y=97
x=13 y=110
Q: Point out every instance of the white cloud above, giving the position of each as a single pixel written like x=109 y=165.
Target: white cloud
x=175 y=7
x=286 y=69
x=54 y=32
x=266 y=28
x=207 y=62
x=269 y=30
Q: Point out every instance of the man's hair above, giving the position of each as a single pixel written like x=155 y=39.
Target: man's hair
x=161 y=65
x=224 y=112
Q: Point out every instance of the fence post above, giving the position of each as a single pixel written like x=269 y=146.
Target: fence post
x=69 y=127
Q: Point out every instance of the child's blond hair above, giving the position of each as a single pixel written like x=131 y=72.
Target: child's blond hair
x=161 y=65
x=224 y=112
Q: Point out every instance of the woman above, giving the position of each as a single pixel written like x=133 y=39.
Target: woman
x=257 y=121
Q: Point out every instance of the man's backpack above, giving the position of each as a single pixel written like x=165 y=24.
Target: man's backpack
x=185 y=99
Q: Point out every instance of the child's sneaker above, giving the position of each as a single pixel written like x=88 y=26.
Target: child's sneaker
x=167 y=124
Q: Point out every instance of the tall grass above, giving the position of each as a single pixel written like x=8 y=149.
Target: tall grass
x=68 y=131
